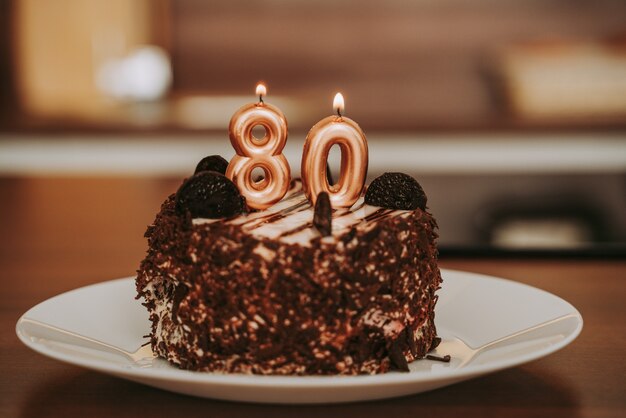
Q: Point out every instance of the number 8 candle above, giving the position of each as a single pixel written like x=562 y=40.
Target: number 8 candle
x=342 y=131
x=264 y=153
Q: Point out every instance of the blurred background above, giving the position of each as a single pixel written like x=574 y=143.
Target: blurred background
x=510 y=113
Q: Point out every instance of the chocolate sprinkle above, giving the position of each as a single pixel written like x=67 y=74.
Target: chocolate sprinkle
x=323 y=219
x=435 y=344
x=209 y=194
x=398 y=360
x=396 y=191
x=212 y=163
x=445 y=359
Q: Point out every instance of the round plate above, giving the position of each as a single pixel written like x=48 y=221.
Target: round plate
x=473 y=310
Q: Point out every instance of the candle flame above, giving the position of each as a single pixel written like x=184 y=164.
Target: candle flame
x=338 y=103
x=261 y=90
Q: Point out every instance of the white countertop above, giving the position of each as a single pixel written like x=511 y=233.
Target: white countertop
x=427 y=154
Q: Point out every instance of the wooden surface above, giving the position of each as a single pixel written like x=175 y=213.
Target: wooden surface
x=59 y=234
x=402 y=65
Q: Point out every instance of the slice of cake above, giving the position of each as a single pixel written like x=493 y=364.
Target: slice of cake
x=291 y=289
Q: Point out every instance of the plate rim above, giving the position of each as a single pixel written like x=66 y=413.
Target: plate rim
x=173 y=374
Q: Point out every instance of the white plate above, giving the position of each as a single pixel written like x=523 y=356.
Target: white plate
x=474 y=308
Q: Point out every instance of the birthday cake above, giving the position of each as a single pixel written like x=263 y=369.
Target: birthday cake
x=295 y=288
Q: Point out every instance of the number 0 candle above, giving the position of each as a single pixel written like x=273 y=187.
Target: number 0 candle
x=346 y=133
x=264 y=153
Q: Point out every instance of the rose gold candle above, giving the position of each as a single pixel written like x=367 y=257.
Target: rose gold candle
x=264 y=153
x=342 y=131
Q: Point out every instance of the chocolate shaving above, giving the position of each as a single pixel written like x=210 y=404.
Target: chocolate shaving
x=180 y=291
x=322 y=218
x=412 y=343
x=445 y=359
x=397 y=356
x=435 y=343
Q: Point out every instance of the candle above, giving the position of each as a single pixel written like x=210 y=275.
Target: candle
x=342 y=131
x=264 y=153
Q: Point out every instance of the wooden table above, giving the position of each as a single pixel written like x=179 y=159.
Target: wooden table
x=62 y=233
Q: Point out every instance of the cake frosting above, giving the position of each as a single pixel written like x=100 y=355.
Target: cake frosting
x=266 y=293
x=291 y=220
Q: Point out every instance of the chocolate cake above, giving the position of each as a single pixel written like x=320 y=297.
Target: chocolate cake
x=294 y=289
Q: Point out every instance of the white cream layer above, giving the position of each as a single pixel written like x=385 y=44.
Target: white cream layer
x=291 y=220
